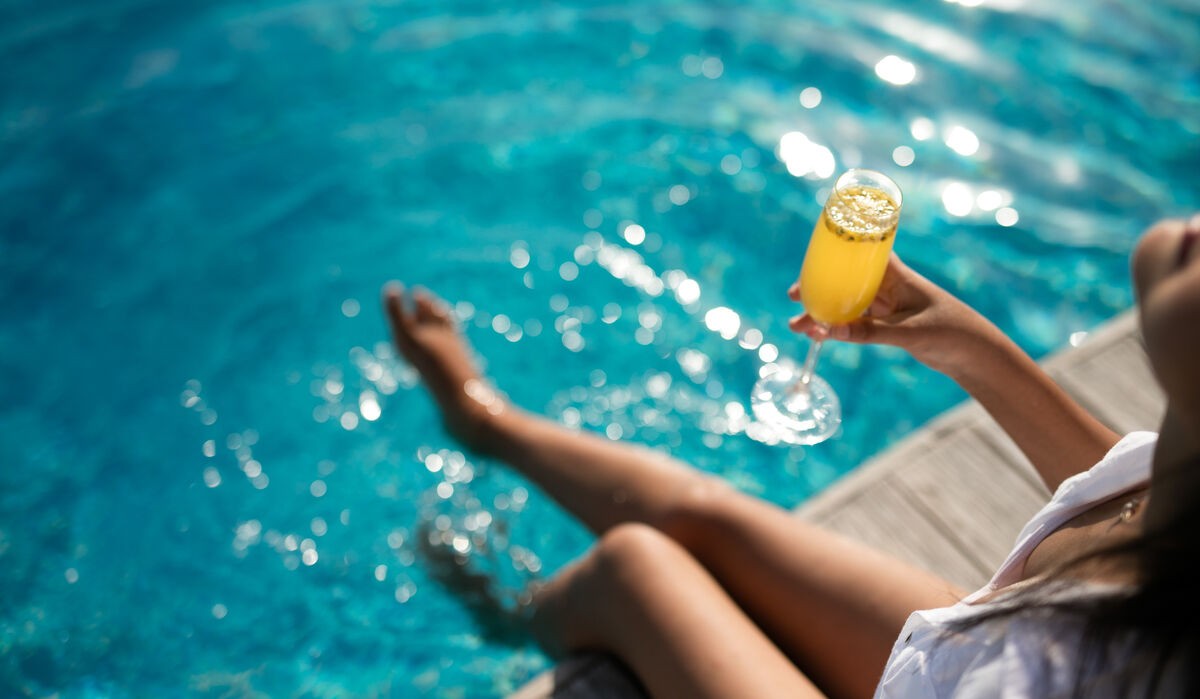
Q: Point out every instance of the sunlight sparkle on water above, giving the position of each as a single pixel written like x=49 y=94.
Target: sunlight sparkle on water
x=990 y=200
x=724 y=321
x=922 y=129
x=584 y=254
x=712 y=67
x=958 y=199
x=1007 y=216
x=895 y=70
x=688 y=292
x=962 y=140
x=519 y=255
x=1067 y=170
x=650 y=318
x=572 y=340
x=368 y=405
x=804 y=158
x=751 y=339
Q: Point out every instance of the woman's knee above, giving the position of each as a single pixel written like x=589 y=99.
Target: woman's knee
x=623 y=559
x=631 y=548
x=699 y=507
x=576 y=608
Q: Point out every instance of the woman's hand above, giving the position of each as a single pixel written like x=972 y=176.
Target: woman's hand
x=915 y=314
x=1056 y=434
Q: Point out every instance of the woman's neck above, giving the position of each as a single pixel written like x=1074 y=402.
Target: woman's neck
x=1175 y=480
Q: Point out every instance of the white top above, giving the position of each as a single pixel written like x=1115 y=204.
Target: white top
x=1017 y=656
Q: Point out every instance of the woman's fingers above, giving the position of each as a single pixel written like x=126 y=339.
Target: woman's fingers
x=859 y=331
x=882 y=306
x=862 y=330
x=805 y=325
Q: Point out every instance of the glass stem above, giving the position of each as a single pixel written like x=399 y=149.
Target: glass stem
x=810 y=362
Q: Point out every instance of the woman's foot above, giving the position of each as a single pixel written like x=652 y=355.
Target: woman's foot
x=499 y=613
x=426 y=335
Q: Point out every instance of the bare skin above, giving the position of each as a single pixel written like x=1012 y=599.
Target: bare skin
x=704 y=591
x=775 y=587
x=949 y=336
x=1166 y=275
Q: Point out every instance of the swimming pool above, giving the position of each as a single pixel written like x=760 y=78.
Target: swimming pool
x=215 y=475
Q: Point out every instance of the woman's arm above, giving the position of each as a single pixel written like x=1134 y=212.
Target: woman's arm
x=1056 y=434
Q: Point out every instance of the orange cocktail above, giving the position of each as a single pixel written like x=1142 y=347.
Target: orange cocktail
x=848 y=253
x=847 y=256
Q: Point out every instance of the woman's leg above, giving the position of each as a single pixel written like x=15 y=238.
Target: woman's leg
x=832 y=605
x=601 y=482
x=641 y=596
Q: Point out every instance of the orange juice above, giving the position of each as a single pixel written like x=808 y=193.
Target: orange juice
x=848 y=254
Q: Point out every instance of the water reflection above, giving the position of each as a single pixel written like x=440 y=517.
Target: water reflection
x=1007 y=216
x=922 y=128
x=804 y=158
x=463 y=530
x=962 y=140
x=663 y=302
x=958 y=199
x=896 y=70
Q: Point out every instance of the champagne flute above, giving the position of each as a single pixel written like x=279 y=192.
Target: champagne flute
x=847 y=256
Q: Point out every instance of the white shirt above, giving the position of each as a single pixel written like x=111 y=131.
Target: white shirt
x=1018 y=656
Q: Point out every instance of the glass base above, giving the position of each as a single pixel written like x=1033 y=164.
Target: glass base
x=796 y=413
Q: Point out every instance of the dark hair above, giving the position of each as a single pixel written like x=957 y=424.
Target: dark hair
x=1150 y=631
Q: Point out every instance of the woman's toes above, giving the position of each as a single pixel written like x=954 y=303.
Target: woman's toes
x=399 y=318
x=393 y=302
x=430 y=308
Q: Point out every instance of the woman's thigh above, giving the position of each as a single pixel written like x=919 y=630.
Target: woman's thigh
x=834 y=606
x=642 y=597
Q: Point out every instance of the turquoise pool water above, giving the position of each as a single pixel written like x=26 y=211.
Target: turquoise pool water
x=215 y=475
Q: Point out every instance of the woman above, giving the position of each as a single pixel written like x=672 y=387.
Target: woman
x=703 y=591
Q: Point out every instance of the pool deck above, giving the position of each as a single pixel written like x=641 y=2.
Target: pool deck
x=951 y=497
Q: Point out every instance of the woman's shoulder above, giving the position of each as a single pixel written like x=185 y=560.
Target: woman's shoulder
x=1125 y=466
